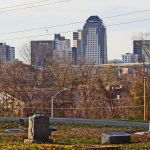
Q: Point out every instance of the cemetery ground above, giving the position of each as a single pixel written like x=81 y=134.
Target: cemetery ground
x=72 y=136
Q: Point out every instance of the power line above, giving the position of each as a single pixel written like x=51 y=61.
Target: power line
x=95 y=100
x=70 y=23
x=78 y=107
x=34 y=29
x=76 y=30
x=127 y=14
x=34 y=6
x=35 y=91
x=24 y=4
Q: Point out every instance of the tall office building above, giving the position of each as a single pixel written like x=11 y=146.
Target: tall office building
x=67 y=41
x=7 y=53
x=94 y=41
x=57 y=36
x=77 y=42
x=74 y=55
x=12 y=53
x=62 y=46
x=142 y=48
x=41 y=52
x=61 y=49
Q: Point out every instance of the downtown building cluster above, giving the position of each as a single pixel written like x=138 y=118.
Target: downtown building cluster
x=89 y=44
x=7 y=53
x=140 y=52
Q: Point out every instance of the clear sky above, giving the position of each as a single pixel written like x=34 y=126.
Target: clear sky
x=119 y=37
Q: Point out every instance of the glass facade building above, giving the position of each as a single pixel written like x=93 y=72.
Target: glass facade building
x=94 y=41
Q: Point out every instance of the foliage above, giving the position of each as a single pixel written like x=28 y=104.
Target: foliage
x=91 y=90
x=109 y=73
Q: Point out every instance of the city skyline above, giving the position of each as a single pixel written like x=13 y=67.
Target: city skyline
x=119 y=36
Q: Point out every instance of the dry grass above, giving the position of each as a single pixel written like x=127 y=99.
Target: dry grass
x=88 y=135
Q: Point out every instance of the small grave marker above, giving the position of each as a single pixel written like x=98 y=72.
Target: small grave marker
x=149 y=129
x=38 y=129
x=115 y=138
x=51 y=129
x=14 y=130
x=21 y=123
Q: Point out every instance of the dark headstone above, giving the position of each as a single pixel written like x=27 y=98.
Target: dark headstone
x=21 y=123
x=115 y=138
x=38 y=129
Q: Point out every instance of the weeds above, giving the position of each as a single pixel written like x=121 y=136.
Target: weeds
x=81 y=135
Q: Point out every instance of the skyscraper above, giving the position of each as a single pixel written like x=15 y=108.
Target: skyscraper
x=94 y=41
x=62 y=46
x=12 y=53
x=77 y=42
x=142 y=48
x=7 y=53
x=74 y=55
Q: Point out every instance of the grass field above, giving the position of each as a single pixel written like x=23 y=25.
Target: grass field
x=72 y=136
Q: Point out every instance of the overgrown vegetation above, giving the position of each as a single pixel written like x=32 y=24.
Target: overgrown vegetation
x=72 y=136
x=91 y=90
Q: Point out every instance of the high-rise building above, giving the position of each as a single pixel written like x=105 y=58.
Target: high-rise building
x=94 y=41
x=70 y=53
x=41 y=52
x=77 y=42
x=68 y=42
x=57 y=36
x=62 y=46
x=7 y=53
x=12 y=53
x=61 y=49
x=142 y=48
x=74 y=55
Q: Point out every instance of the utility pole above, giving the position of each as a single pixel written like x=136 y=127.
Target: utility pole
x=144 y=98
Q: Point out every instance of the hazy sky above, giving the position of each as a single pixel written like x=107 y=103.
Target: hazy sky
x=51 y=13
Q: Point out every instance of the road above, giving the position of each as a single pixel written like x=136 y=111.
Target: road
x=85 y=121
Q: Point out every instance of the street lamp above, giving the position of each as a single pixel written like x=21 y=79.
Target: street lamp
x=52 y=98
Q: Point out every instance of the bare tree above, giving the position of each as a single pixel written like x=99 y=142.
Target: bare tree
x=25 y=53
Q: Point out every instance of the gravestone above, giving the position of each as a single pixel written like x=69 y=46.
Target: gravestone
x=38 y=129
x=149 y=129
x=51 y=129
x=21 y=123
x=115 y=138
x=14 y=130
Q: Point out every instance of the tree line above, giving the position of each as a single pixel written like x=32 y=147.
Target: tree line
x=91 y=90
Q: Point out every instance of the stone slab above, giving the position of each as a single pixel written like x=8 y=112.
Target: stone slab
x=52 y=128
x=141 y=133
x=14 y=130
x=115 y=138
